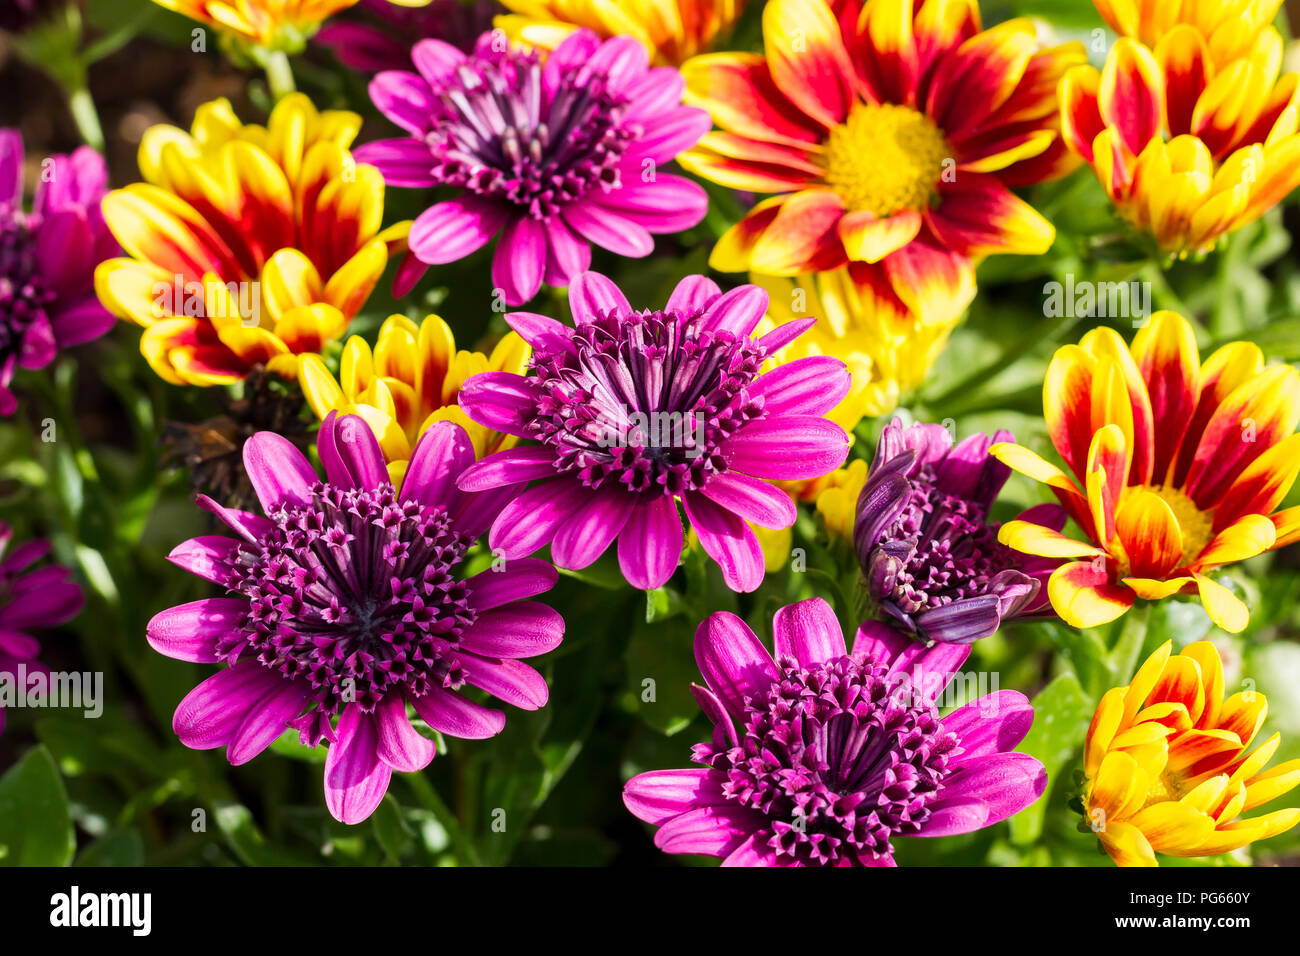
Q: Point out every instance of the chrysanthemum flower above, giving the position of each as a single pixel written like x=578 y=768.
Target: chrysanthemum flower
x=345 y=601
x=670 y=30
x=887 y=344
x=30 y=600
x=1188 y=149
x=1231 y=28
x=556 y=151
x=1168 y=764
x=635 y=410
x=47 y=259
x=383 y=40
x=931 y=561
x=889 y=137
x=1179 y=466
x=410 y=380
x=824 y=758
x=270 y=24
x=248 y=245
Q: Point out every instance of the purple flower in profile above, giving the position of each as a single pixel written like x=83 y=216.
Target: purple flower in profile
x=931 y=561
x=346 y=601
x=635 y=410
x=30 y=600
x=48 y=258
x=382 y=40
x=823 y=758
x=555 y=151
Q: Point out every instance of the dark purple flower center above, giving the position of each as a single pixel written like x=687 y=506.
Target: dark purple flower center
x=941 y=549
x=354 y=593
x=839 y=757
x=644 y=399
x=495 y=133
x=23 y=293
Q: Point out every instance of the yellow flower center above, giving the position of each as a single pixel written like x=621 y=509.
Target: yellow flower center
x=885 y=158
x=1193 y=523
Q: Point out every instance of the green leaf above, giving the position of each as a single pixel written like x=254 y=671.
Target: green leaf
x=660 y=663
x=1062 y=712
x=393 y=832
x=35 y=824
x=117 y=849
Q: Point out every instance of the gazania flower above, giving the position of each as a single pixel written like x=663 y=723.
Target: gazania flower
x=824 y=758
x=270 y=24
x=670 y=30
x=1169 y=767
x=410 y=380
x=556 y=151
x=1231 y=28
x=48 y=258
x=635 y=410
x=931 y=562
x=1188 y=149
x=1179 y=466
x=30 y=600
x=248 y=245
x=887 y=345
x=383 y=39
x=345 y=602
x=893 y=140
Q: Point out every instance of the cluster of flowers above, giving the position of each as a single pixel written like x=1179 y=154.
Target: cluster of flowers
x=887 y=137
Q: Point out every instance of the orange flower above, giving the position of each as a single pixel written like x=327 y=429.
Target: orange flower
x=1168 y=767
x=247 y=245
x=271 y=24
x=1179 y=466
x=888 y=136
x=1231 y=28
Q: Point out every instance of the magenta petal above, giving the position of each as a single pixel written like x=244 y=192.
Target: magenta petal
x=592 y=295
x=519 y=260
x=809 y=632
x=405 y=99
x=538 y=329
x=510 y=467
x=453 y=229
x=513 y=682
x=281 y=475
x=667 y=205
x=659 y=795
x=404 y=162
x=212 y=557
x=522 y=629
x=673 y=132
x=709 y=831
x=511 y=581
x=806 y=386
x=990 y=725
x=360 y=451
x=189 y=632
x=267 y=720
x=693 y=295
x=784 y=334
x=11 y=167
x=81 y=321
x=355 y=778
x=728 y=540
x=247 y=525
x=608 y=229
x=441 y=454
x=752 y=499
x=733 y=661
x=955 y=816
x=42 y=598
x=651 y=543
x=567 y=254
x=738 y=311
x=436 y=60
x=531 y=520
x=593 y=528
x=19 y=646
x=756 y=851
x=503 y=401
x=477 y=511
x=788 y=448
x=933 y=665
x=449 y=713
x=400 y=745
x=209 y=715
x=1002 y=785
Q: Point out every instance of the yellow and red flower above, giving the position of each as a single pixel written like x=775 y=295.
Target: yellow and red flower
x=409 y=381
x=247 y=245
x=1188 y=146
x=1177 y=465
x=889 y=133
x=270 y=24
x=670 y=30
x=1231 y=28
x=1168 y=767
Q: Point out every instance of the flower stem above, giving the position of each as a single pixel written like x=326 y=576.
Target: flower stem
x=428 y=796
x=84 y=114
x=279 y=74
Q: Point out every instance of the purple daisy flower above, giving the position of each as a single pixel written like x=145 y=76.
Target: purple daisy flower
x=48 y=258
x=822 y=757
x=383 y=40
x=345 y=601
x=30 y=600
x=931 y=561
x=635 y=410
x=556 y=151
